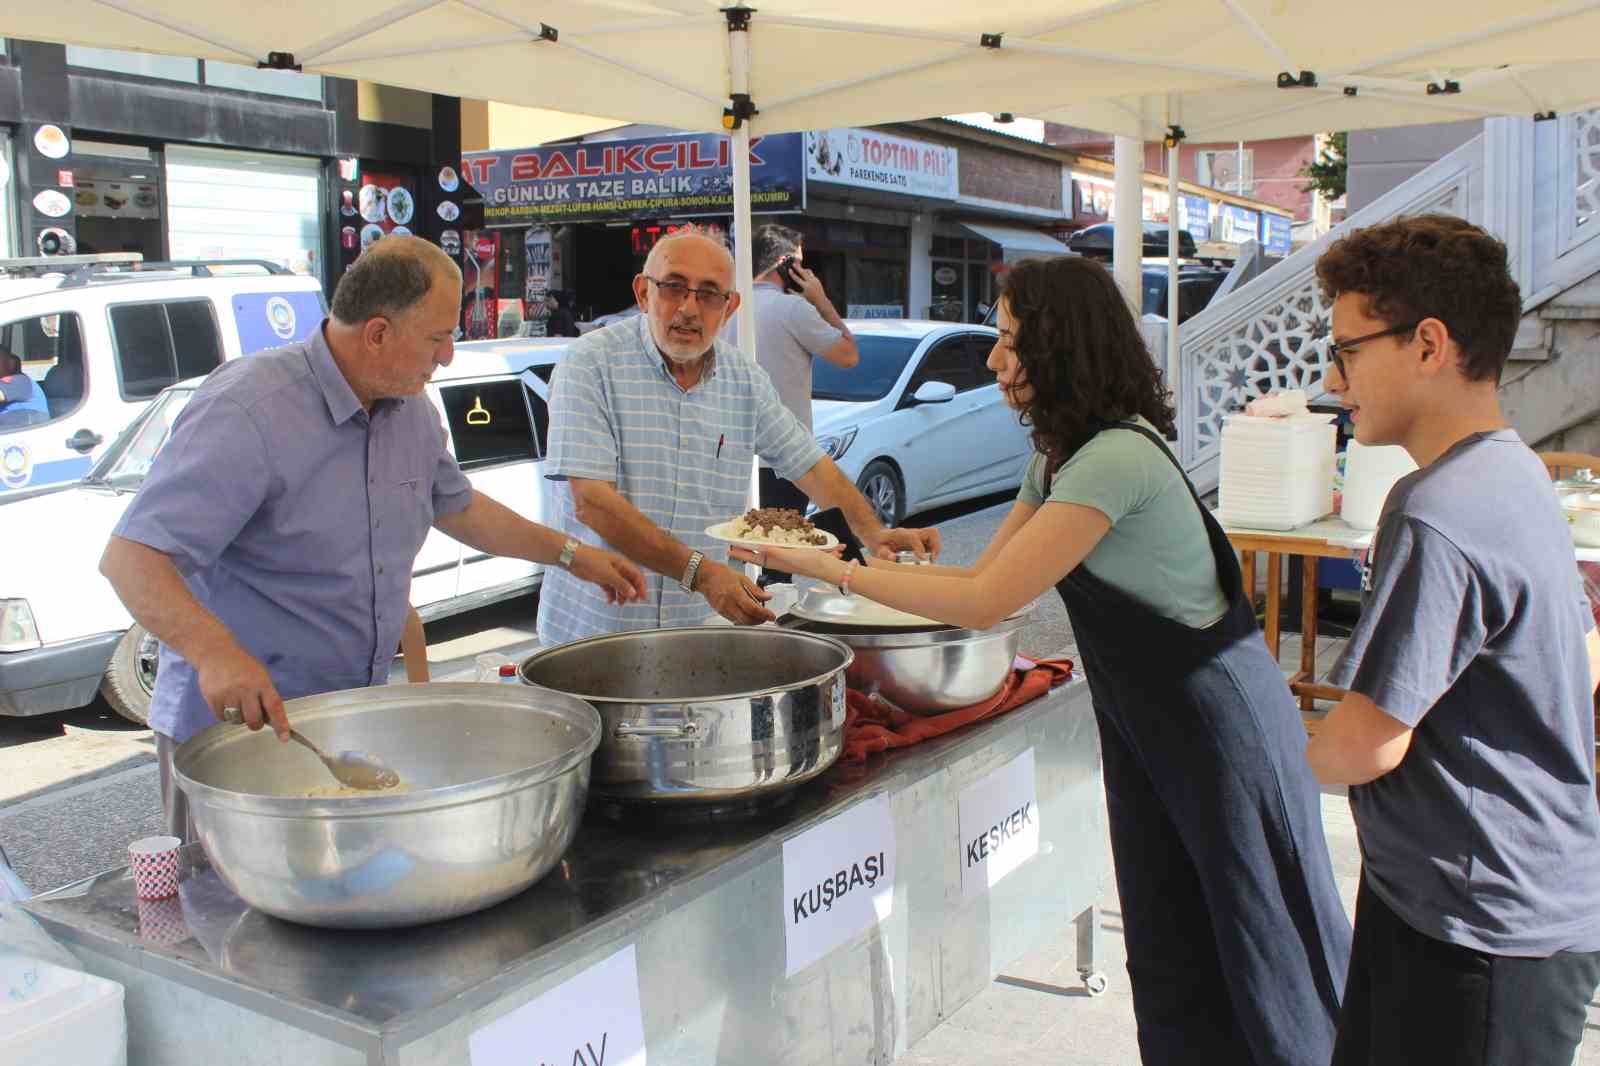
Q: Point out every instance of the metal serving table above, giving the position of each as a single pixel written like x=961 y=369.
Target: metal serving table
x=700 y=902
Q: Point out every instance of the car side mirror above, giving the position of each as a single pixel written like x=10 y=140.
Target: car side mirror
x=934 y=392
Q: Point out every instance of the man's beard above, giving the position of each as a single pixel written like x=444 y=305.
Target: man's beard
x=683 y=351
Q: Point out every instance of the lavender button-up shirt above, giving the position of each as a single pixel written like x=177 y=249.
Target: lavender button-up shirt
x=295 y=517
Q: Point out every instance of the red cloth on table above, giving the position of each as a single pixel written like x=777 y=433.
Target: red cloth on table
x=872 y=726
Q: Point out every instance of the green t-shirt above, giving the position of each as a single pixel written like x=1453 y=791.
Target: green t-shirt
x=1156 y=550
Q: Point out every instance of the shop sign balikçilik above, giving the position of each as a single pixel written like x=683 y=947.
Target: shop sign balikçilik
x=648 y=177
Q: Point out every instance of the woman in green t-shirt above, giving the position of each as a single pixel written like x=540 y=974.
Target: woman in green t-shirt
x=1237 y=940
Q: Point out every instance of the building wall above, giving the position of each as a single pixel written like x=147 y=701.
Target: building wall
x=991 y=174
x=1382 y=159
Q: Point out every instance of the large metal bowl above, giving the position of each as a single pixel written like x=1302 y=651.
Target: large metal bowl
x=496 y=776
x=704 y=714
x=928 y=670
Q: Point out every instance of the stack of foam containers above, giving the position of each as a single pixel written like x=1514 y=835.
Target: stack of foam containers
x=1276 y=473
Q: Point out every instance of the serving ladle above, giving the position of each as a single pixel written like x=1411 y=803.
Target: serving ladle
x=352 y=769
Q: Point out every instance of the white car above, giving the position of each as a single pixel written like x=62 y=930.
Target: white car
x=100 y=337
x=919 y=422
x=64 y=634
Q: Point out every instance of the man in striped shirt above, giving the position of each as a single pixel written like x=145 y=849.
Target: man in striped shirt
x=653 y=427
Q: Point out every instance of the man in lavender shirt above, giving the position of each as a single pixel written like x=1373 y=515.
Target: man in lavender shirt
x=271 y=548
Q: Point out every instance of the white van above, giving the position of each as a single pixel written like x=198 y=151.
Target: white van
x=63 y=632
x=101 y=335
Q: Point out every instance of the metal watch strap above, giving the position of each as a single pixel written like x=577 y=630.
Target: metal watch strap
x=569 y=551
x=691 y=571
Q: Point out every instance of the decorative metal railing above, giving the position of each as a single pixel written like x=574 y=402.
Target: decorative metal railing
x=1536 y=185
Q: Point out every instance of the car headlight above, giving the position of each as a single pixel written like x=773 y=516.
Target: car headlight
x=836 y=444
x=17 y=631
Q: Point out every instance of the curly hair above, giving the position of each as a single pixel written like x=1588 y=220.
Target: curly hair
x=1432 y=266
x=1081 y=352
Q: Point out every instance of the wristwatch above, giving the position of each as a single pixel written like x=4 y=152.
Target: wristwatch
x=686 y=582
x=569 y=551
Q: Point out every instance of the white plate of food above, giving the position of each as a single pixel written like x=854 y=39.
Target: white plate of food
x=400 y=206
x=747 y=531
x=374 y=203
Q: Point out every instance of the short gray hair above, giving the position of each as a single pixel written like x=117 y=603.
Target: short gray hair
x=394 y=276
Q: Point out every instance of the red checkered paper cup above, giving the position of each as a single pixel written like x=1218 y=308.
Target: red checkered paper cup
x=155 y=867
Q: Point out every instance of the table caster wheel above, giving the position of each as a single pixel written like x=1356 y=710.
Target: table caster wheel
x=1095 y=984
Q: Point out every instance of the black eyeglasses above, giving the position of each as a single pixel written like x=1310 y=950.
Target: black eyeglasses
x=1337 y=350
x=676 y=292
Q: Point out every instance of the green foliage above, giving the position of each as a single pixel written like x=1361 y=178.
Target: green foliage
x=1327 y=171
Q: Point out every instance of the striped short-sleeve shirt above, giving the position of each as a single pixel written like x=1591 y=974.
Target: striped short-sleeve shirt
x=683 y=458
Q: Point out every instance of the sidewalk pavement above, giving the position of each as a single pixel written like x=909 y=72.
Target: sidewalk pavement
x=1036 y=1010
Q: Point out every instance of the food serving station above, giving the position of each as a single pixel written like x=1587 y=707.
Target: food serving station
x=756 y=902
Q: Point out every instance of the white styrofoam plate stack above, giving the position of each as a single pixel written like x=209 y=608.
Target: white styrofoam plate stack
x=1276 y=473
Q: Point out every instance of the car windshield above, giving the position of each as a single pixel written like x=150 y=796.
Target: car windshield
x=126 y=462
x=882 y=360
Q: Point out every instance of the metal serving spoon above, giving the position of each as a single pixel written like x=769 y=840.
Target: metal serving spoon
x=352 y=769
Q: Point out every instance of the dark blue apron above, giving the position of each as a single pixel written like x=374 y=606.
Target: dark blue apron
x=1237 y=940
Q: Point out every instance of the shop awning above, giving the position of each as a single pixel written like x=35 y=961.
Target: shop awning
x=1016 y=242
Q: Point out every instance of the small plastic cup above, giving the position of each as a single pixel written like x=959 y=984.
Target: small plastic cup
x=155 y=867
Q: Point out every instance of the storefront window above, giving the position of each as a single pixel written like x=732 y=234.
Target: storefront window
x=877 y=283
x=269 y=82
x=144 y=64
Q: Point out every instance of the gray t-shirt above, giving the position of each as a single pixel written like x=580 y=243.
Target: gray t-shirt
x=1472 y=632
x=789 y=332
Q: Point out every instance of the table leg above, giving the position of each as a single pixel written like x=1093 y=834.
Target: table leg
x=1247 y=576
x=1308 y=628
x=1274 y=600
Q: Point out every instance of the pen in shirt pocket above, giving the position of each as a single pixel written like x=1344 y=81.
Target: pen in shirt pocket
x=720 y=438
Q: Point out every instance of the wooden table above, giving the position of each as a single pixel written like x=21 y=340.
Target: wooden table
x=1326 y=538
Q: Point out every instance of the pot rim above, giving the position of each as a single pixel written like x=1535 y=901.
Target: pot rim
x=773 y=632
x=385 y=804
x=898 y=637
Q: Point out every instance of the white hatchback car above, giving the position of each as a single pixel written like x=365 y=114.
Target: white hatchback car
x=64 y=633
x=919 y=422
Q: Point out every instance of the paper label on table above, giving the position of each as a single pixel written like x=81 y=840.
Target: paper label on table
x=838 y=879
x=999 y=818
x=591 y=1020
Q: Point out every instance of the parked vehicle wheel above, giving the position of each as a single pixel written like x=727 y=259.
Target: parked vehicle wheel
x=880 y=484
x=130 y=679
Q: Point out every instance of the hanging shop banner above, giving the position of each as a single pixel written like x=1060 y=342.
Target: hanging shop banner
x=871 y=160
x=1194 y=215
x=1157 y=205
x=647 y=177
x=1239 y=224
x=1277 y=234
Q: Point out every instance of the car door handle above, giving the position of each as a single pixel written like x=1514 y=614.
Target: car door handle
x=85 y=440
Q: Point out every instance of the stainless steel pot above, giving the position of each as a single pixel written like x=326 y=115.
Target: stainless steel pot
x=927 y=670
x=496 y=778
x=705 y=714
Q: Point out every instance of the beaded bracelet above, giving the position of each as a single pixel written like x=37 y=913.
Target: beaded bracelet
x=844 y=581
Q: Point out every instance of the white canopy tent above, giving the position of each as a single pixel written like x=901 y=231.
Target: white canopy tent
x=1254 y=67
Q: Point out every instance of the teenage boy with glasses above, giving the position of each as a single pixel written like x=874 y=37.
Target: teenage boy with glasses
x=1467 y=735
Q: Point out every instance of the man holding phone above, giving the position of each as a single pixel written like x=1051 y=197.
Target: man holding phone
x=795 y=323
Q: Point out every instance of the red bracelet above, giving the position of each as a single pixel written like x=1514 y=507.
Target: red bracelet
x=849 y=572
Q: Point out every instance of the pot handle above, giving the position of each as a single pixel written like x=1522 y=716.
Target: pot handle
x=906 y=557
x=681 y=731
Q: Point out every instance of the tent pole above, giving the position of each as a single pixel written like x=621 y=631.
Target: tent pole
x=743 y=267
x=1174 y=356
x=1127 y=249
